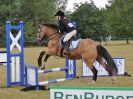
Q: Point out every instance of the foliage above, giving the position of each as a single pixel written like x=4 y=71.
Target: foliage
x=119 y=18
x=89 y=20
x=116 y=19
x=32 y=12
x=61 y=4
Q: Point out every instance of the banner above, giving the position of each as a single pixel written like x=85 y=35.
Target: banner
x=120 y=62
x=70 y=92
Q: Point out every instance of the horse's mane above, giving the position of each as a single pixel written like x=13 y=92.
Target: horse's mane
x=54 y=26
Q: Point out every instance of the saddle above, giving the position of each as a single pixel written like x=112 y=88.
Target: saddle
x=71 y=44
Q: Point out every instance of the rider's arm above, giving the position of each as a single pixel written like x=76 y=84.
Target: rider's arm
x=65 y=26
x=62 y=27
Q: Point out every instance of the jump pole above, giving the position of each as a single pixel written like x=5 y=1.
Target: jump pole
x=3 y=57
x=15 y=70
x=32 y=74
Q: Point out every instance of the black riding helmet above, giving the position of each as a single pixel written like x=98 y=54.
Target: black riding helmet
x=60 y=13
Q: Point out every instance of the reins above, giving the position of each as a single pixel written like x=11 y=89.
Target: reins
x=49 y=36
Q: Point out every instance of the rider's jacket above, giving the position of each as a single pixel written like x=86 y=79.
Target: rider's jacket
x=65 y=26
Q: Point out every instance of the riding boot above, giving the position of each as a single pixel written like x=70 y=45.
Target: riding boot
x=66 y=46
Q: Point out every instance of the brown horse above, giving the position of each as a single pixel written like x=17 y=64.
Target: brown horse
x=87 y=49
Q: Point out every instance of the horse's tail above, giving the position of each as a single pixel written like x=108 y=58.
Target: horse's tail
x=112 y=68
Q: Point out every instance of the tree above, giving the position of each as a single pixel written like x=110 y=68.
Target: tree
x=61 y=4
x=89 y=20
x=32 y=12
x=119 y=18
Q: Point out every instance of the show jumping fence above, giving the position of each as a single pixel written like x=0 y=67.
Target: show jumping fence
x=32 y=74
x=15 y=70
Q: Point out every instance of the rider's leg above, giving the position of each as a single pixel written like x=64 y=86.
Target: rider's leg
x=67 y=37
x=66 y=46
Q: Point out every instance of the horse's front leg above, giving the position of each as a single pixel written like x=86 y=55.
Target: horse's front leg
x=40 y=58
x=42 y=61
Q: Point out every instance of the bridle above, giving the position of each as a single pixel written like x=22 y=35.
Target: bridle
x=53 y=35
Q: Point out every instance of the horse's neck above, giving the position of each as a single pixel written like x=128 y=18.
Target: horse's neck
x=53 y=36
x=55 y=41
x=54 y=44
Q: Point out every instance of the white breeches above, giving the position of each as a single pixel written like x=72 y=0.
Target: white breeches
x=69 y=35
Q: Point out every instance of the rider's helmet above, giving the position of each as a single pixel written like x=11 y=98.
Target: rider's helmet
x=60 y=13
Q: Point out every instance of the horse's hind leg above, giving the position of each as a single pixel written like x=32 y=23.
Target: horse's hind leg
x=92 y=68
x=104 y=65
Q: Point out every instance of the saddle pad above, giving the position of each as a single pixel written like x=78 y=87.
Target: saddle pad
x=74 y=44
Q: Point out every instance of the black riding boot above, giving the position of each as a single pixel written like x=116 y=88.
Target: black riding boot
x=66 y=46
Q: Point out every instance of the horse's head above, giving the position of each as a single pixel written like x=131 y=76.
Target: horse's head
x=48 y=30
x=41 y=33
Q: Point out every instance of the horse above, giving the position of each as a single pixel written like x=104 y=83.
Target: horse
x=87 y=50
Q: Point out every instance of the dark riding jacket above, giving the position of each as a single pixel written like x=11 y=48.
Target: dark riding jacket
x=65 y=26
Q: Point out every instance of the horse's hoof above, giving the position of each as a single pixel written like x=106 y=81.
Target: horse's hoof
x=39 y=65
x=42 y=67
x=114 y=80
x=93 y=81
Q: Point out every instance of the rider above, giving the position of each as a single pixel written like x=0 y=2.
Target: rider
x=66 y=27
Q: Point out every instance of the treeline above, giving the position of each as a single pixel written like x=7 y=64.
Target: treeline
x=32 y=12
x=115 y=20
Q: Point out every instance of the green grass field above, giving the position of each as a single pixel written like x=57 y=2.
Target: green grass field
x=116 y=49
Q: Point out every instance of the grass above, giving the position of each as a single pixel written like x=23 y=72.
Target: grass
x=116 y=49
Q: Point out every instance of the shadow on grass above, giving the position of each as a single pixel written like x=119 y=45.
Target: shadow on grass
x=3 y=87
x=32 y=88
